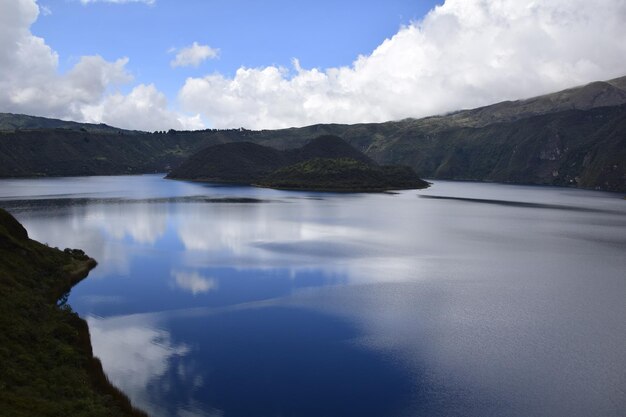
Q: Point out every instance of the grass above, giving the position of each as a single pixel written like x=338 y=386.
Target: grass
x=46 y=362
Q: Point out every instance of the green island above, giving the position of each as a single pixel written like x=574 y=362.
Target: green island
x=326 y=163
x=46 y=363
x=342 y=174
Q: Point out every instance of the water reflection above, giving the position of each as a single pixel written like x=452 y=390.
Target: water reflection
x=248 y=360
x=240 y=301
x=134 y=354
x=194 y=282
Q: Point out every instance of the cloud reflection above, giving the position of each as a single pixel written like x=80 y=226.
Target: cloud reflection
x=134 y=353
x=194 y=282
x=98 y=228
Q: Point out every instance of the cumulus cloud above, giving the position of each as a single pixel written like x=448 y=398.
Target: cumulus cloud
x=144 y=108
x=31 y=83
x=464 y=53
x=193 y=55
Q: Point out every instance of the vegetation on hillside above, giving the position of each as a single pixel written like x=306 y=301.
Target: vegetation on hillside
x=342 y=174
x=240 y=162
x=46 y=362
x=324 y=163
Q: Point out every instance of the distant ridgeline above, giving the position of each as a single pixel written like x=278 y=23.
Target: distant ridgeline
x=325 y=163
x=576 y=137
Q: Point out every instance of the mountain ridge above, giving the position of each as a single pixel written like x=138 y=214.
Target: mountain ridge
x=518 y=130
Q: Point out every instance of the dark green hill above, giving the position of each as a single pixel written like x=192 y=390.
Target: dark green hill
x=342 y=174
x=327 y=146
x=246 y=162
x=239 y=162
x=46 y=362
x=324 y=163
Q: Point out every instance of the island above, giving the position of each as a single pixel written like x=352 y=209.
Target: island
x=342 y=174
x=47 y=367
x=326 y=163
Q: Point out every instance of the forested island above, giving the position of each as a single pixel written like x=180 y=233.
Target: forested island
x=326 y=163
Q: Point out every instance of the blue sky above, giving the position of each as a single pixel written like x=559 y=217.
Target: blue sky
x=322 y=34
x=161 y=64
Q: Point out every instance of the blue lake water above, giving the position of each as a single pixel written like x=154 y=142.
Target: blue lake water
x=463 y=299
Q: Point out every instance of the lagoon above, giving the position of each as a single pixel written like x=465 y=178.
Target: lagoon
x=465 y=298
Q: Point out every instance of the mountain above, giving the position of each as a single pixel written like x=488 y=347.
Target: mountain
x=584 y=148
x=46 y=363
x=329 y=147
x=13 y=122
x=573 y=137
x=590 y=96
x=324 y=163
x=247 y=162
x=63 y=152
x=240 y=162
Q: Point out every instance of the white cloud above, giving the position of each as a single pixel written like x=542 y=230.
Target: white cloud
x=148 y=2
x=193 y=55
x=463 y=54
x=144 y=108
x=194 y=282
x=31 y=83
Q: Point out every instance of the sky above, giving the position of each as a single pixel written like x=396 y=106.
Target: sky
x=193 y=64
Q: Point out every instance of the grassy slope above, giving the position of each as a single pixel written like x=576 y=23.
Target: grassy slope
x=46 y=362
x=342 y=174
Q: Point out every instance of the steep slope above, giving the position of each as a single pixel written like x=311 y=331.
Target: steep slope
x=46 y=362
x=585 y=148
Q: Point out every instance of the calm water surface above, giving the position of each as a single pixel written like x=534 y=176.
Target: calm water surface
x=494 y=300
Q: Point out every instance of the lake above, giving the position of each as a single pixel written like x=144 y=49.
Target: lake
x=466 y=299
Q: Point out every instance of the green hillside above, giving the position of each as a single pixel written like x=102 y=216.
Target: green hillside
x=46 y=362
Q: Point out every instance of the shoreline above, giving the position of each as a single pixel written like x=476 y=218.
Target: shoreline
x=94 y=365
x=47 y=366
